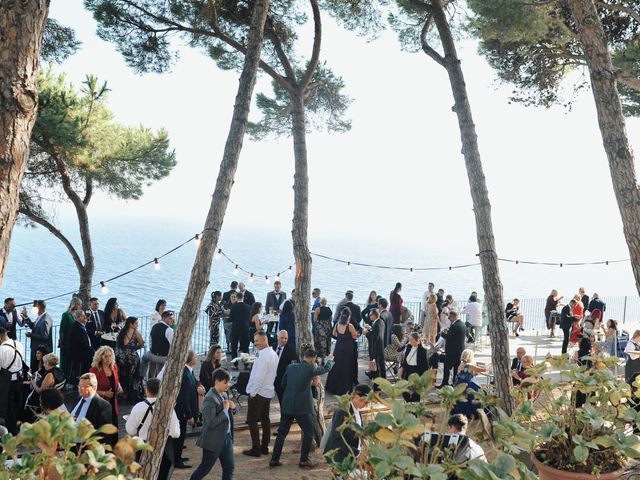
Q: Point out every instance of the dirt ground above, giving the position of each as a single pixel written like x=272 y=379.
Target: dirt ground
x=251 y=468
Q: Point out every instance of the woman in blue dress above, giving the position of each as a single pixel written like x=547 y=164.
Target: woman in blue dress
x=466 y=374
x=288 y=323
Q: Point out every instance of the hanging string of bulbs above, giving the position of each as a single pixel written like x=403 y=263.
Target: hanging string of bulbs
x=252 y=275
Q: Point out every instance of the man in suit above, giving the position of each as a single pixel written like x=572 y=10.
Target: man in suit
x=216 y=438
x=516 y=365
x=375 y=337
x=596 y=304
x=350 y=443
x=275 y=298
x=9 y=317
x=297 y=404
x=226 y=296
x=240 y=318
x=186 y=407
x=40 y=328
x=315 y=295
x=455 y=343
x=341 y=304
x=91 y=406
x=247 y=296
x=387 y=318
x=81 y=352
x=566 y=321
x=95 y=323
x=286 y=356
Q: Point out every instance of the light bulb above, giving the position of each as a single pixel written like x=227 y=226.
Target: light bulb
x=218 y=254
x=236 y=270
x=156 y=264
x=196 y=240
x=277 y=277
x=34 y=309
x=348 y=266
x=266 y=279
x=411 y=271
x=104 y=289
x=251 y=278
x=290 y=270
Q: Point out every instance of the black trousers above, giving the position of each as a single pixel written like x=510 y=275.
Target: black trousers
x=355 y=363
x=241 y=337
x=258 y=411
x=435 y=359
x=178 y=443
x=450 y=363
x=471 y=332
x=566 y=330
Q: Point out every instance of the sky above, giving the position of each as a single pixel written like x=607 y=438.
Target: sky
x=397 y=179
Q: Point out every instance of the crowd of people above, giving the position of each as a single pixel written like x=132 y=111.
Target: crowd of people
x=101 y=355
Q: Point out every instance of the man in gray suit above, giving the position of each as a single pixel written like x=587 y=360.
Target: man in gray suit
x=216 y=439
x=297 y=404
x=275 y=298
x=40 y=333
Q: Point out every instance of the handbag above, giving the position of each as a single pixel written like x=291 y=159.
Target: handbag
x=373 y=367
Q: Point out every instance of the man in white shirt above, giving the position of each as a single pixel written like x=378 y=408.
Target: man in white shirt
x=161 y=336
x=473 y=311
x=139 y=422
x=457 y=426
x=11 y=360
x=261 y=391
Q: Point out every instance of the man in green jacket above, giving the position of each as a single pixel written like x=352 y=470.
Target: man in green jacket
x=297 y=404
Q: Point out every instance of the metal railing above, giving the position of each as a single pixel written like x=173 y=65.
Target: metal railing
x=626 y=310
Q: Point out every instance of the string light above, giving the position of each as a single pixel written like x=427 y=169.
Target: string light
x=104 y=289
x=277 y=277
x=348 y=266
x=266 y=279
x=156 y=264
x=411 y=271
x=218 y=254
x=290 y=270
x=236 y=270
x=251 y=278
x=34 y=309
x=196 y=240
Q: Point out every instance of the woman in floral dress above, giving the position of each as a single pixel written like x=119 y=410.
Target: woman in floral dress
x=128 y=343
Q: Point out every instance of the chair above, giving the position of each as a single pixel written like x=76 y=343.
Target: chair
x=239 y=388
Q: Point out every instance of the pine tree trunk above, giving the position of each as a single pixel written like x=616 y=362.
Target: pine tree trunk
x=301 y=223
x=86 y=275
x=21 y=27
x=201 y=270
x=612 y=124
x=482 y=210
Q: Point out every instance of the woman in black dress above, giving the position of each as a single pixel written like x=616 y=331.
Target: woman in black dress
x=322 y=337
x=113 y=315
x=340 y=378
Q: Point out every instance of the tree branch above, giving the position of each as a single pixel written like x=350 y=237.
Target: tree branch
x=619 y=8
x=24 y=210
x=628 y=79
x=317 y=41
x=271 y=34
x=88 y=191
x=425 y=44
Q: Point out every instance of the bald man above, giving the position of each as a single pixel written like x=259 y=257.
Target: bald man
x=286 y=356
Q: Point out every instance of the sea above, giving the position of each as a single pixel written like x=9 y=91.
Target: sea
x=40 y=267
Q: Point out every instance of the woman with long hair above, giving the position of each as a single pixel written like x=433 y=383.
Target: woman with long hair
x=371 y=303
x=340 y=378
x=128 y=343
x=322 y=335
x=256 y=311
x=288 y=322
x=395 y=304
x=215 y=312
x=66 y=321
x=105 y=368
x=161 y=306
x=430 y=327
x=113 y=314
x=210 y=364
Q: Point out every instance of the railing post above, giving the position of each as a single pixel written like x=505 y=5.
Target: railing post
x=624 y=311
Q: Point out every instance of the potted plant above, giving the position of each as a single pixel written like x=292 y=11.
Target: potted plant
x=393 y=444
x=583 y=423
x=55 y=448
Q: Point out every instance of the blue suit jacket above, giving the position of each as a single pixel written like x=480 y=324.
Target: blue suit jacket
x=187 y=403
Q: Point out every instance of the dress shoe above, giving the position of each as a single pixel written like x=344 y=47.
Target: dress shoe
x=182 y=465
x=275 y=463
x=264 y=450
x=308 y=464
x=252 y=452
